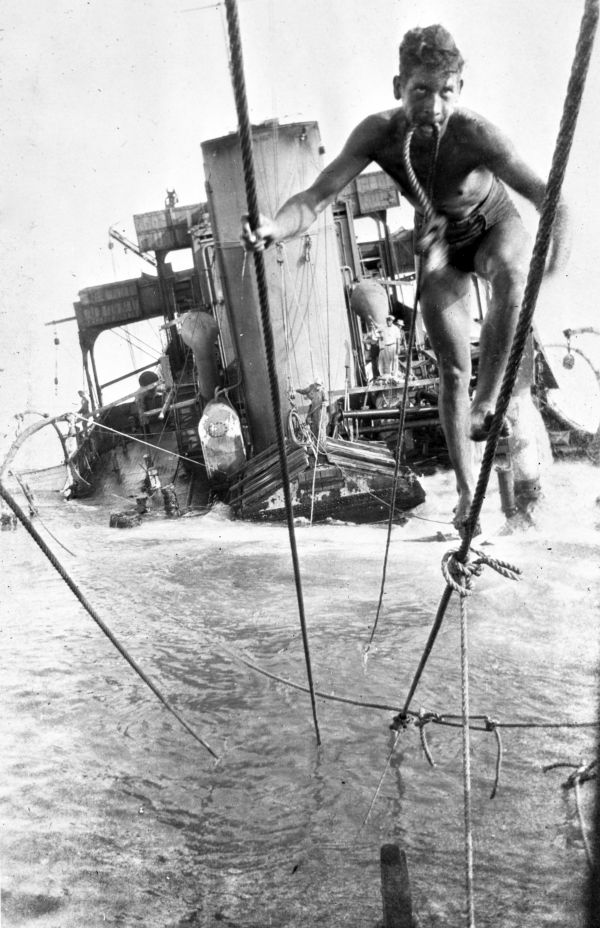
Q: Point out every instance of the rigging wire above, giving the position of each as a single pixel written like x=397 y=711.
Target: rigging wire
x=449 y=720
x=130 y=337
x=129 y=344
x=314 y=297
x=239 y=89
x=285 y=315
x=140 y=441
x=313 y=301
x=327 y=305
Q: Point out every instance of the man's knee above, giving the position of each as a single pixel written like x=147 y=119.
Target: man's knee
x=443 y=288
x=508 y=279
x=455 y=377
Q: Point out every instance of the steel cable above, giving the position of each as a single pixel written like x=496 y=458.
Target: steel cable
x=241 y=103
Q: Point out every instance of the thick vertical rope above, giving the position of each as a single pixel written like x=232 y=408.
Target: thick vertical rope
x=560 y=159
x=423 y=196
x=241 y=104
x=424 y=199
x=572 y=105
x=466 y=750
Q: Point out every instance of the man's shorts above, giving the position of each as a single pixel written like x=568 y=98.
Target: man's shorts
x=464 y=236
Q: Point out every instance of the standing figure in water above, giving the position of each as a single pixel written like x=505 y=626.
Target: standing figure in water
x=466 y=161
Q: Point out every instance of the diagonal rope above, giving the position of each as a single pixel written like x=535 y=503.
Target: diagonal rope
x=241 y=103
x=560 y=158
x=558 y=168
x=26 y=522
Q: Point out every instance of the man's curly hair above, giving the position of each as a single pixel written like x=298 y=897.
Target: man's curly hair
x=431 y=46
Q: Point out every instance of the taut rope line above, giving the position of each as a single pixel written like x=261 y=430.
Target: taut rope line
x=459 y=574
x=420 y=718
x=23 y=518
x=466 y=755
x=560 y=160
x=241 y=103
x=564 y=141
x=140 y=441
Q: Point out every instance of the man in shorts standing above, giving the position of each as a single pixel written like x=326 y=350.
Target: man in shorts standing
x=466 y=160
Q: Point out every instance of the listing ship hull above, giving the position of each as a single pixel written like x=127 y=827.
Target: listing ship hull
x=350 y=481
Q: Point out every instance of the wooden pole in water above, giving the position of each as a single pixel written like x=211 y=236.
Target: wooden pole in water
x=395 y=888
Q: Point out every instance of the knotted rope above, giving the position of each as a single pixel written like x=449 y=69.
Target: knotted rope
x=581 y=774
x=460 y=574
x=241 y=103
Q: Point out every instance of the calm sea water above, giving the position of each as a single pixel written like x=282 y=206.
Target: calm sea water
x=114 y=815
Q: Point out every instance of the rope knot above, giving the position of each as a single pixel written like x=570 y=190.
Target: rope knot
x=400 y=722
x=423 y=719
x=501 y=567
x=581 y=775
x=459 y=575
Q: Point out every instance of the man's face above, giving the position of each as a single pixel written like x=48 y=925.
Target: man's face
x=429 y=97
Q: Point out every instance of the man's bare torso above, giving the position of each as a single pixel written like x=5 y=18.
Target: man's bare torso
x=462 y=177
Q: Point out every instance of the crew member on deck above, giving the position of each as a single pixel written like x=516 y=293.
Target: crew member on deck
x=149 y=398
x=371 y=343
x=390 y=342
x=85 y=411
x=316 y=416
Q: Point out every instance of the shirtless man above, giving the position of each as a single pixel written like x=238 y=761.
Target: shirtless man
x=481 y=230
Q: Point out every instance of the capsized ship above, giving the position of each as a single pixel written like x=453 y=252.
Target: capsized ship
x=198 y=424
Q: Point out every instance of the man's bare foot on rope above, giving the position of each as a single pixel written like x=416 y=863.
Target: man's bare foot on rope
x=481 y=423
x=461 y=515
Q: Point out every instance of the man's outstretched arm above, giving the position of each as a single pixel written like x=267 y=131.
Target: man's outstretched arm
x=299 y=212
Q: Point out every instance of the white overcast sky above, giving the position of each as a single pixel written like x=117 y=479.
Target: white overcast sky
x=105 y=103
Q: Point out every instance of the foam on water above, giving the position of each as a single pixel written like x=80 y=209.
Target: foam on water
x=113 y=814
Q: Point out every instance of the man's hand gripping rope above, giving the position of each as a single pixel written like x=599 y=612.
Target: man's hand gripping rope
x=431 y=244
